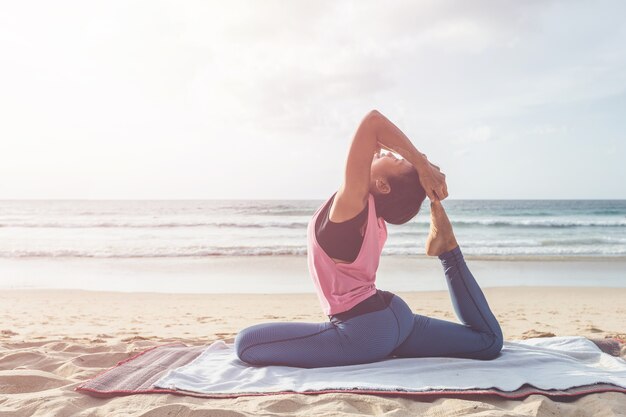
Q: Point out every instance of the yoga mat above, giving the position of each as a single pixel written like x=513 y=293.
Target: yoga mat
x=138 y=375
x=546 y=363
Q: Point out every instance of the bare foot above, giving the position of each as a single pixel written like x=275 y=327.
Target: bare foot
x=441 y=238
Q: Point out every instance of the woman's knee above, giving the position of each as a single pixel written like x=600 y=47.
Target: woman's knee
x=496 y=342
x=240 y=343
x=244 y=340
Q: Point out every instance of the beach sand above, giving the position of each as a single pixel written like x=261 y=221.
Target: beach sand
x=52 y=340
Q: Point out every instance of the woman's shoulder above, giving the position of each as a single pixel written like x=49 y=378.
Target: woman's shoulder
x=346 y=205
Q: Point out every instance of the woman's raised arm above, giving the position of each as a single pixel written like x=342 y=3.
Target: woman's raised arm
x=354 y=191
x=376 y=131
x=391 y=137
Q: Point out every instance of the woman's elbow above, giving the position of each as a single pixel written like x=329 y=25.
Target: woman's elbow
x=373 y=114
x=373 y=118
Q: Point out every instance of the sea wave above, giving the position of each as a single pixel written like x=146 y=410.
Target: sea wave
x=154 y=253
x=296 y=224
x=77 y=225
x=547 y=223
x=581 y=250
x=520 y=242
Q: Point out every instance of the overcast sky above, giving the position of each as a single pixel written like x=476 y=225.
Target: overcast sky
x=260 y=99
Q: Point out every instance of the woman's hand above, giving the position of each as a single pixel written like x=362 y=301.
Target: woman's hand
x=433 y=180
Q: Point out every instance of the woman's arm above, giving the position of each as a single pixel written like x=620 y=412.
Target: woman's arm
x=376 y=131
x=390 y=137
x=354 y=191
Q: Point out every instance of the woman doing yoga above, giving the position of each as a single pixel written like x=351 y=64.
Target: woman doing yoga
x=345 y=239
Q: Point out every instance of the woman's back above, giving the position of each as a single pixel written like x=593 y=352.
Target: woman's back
x=339 y=285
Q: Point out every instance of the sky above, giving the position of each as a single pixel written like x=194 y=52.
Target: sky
x=261 y=99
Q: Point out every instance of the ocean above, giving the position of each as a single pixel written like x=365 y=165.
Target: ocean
x=212 y=228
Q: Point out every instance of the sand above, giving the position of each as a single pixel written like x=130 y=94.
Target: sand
x=51 y=340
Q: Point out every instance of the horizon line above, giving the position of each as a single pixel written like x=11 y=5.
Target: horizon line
x=294 y=199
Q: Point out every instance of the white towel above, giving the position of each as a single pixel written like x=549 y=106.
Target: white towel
x=546 y=363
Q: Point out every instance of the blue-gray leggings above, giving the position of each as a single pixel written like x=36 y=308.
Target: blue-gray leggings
x=391 y=331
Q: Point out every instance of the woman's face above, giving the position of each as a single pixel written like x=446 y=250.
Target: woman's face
x=387 y=165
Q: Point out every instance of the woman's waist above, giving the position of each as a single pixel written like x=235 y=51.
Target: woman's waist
x=378 y=301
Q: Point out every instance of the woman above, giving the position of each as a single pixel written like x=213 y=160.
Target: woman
x=345 y=239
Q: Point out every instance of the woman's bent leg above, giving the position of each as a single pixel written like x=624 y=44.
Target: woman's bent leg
x=290 y=344
x=480 y=335
x=365 y=338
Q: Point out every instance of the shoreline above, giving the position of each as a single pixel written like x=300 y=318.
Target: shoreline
x=79 y=291
x=289 y=274
x=495 y=258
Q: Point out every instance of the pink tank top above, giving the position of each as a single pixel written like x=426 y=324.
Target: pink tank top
x=341 y=286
